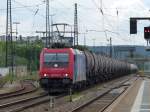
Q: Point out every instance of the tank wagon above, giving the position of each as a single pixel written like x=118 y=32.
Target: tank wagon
x=61 y=69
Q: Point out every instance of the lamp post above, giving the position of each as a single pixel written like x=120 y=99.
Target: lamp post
x=110 y=47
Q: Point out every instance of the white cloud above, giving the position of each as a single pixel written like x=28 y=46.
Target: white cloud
x=2 y=24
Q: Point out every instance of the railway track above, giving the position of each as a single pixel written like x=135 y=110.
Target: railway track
x=26 y=103
x=103 y=100
x=21 y=102
x=24 y=89
x=98 y=101
x=147 y=76
x=35 y=101
x=61 y=101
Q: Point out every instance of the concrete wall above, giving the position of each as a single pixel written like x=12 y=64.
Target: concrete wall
x=19 y=70
x=4 y=71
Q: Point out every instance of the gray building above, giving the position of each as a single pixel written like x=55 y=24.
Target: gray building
x=3 y=38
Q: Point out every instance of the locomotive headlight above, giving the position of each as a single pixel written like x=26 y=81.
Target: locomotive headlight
x=45 y=75
x=66 y=75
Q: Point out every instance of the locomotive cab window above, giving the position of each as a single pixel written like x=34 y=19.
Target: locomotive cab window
x=56 y=59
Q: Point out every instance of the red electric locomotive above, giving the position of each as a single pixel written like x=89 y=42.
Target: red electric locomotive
x=57 y=68
x=56 y=71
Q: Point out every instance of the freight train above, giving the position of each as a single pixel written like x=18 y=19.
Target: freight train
x=61 y=69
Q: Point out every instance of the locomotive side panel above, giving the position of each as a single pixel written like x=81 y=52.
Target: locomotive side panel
x=79 y=67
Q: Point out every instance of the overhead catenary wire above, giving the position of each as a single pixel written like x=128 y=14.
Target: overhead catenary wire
x=102 y=13
x=34 y=11
x=28 y=8
x=105 y=10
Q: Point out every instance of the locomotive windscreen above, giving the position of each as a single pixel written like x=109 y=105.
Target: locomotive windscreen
x=56 y=60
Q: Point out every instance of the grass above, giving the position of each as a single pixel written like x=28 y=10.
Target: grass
x=31 y=76
x=75 y=96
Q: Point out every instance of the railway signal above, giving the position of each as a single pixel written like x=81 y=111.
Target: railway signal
x=133 y=26
x=147 y=33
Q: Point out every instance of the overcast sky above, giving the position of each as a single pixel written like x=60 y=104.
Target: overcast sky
x=115 y=18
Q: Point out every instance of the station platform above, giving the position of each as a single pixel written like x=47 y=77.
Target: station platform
x=142 y=101
x=135 y=99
